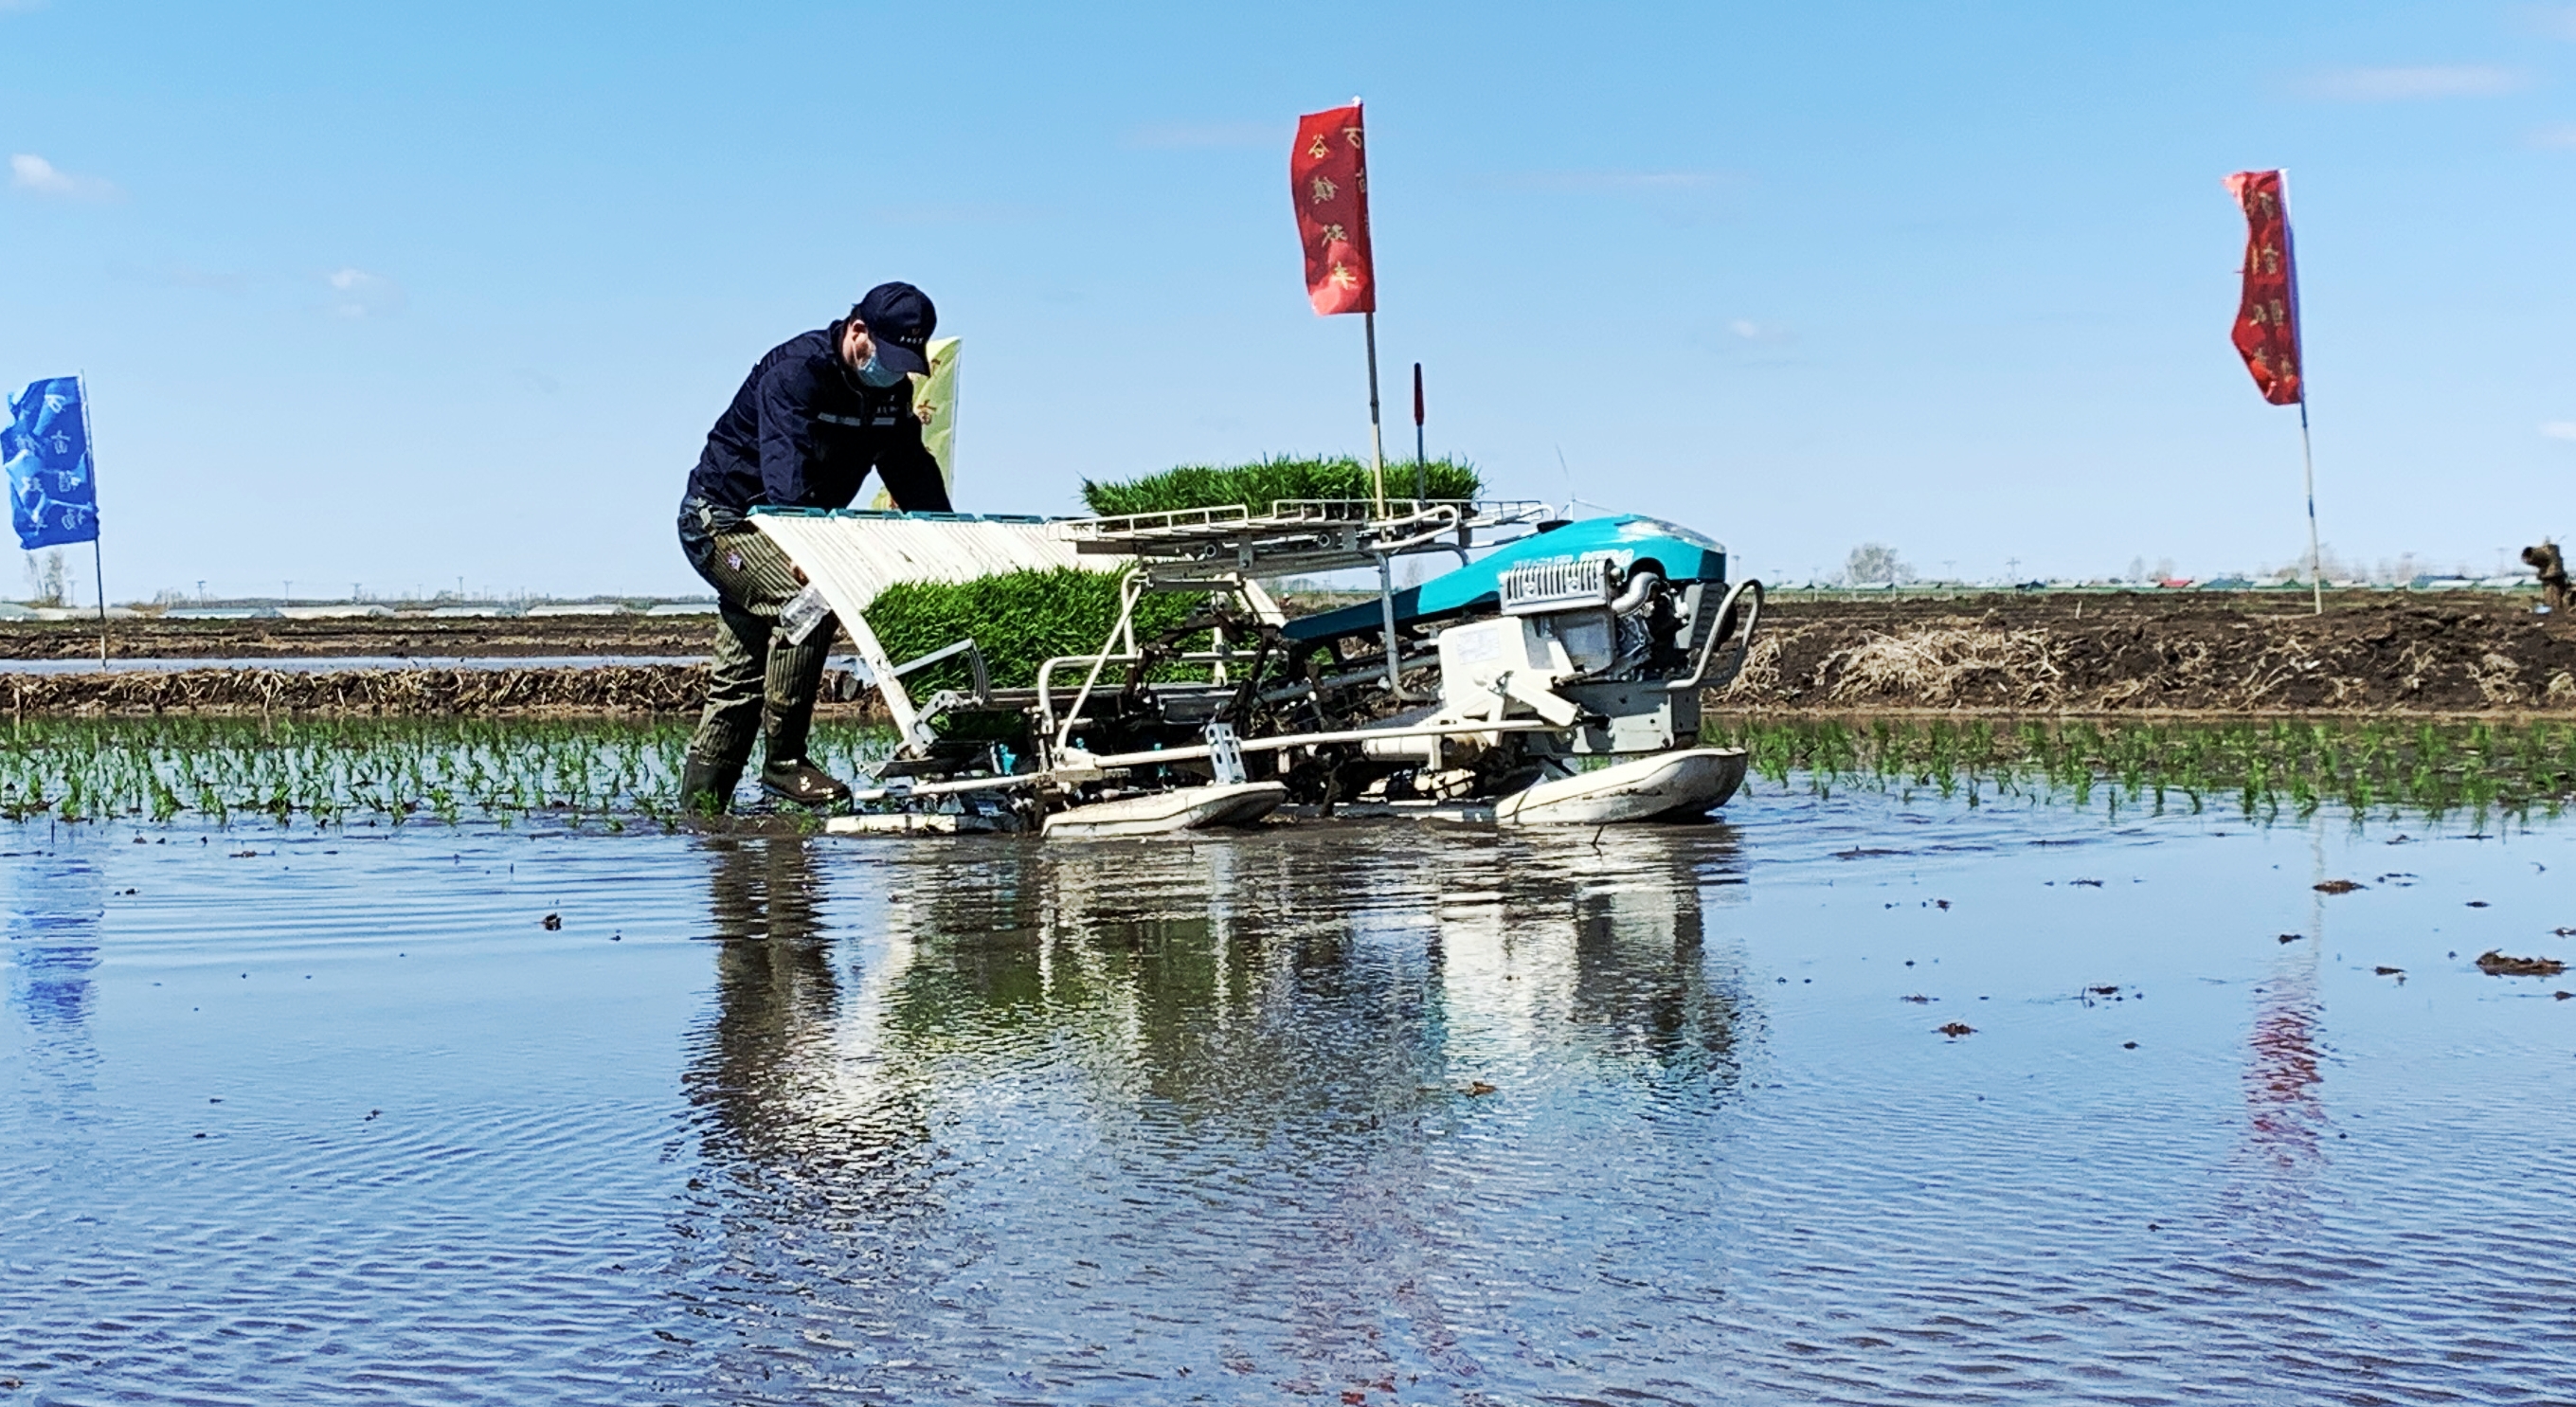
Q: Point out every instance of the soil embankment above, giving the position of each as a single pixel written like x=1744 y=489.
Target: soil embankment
x=401 y=692
x=362 y=636
x=479 y=692
x=2023 y=653
x=2112 y=653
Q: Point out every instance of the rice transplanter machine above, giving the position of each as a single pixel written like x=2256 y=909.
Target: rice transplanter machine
x=1552 y=676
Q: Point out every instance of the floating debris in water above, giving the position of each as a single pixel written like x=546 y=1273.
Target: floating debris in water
x=1918 y=999
x=1955 y=1029
x=2087 y=883
x=2477 y=903
x=1479 y=1087
x=2339 y=886
x=2128 y=1045
x=2390 y=971
x=2494 y=963
x=2292 y=937
x=551 y=922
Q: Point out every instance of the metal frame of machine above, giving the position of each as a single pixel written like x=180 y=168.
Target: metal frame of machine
x=1554 y=677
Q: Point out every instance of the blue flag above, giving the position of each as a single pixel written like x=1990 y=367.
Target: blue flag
x=53 y=497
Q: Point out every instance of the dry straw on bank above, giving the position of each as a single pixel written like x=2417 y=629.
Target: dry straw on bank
x=2371 y=659
x=1945 y=665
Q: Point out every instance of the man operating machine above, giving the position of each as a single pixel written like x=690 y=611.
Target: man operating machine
x=816 y=414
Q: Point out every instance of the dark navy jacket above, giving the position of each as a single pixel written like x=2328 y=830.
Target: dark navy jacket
x=803 y=433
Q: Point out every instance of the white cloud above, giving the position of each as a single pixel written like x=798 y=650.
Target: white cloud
x=355 y=293
x=36 y=174
x=2556 y=21
x=1752 y=331
x=20 y=6
x=2383 y=85
x=2560 y=429
x=2562 y=135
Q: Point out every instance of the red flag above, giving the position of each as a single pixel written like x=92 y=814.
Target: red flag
x=1328 y=179
x=2267 y=321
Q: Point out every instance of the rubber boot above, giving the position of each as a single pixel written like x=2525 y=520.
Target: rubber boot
x=800 y=781
x=706 y=788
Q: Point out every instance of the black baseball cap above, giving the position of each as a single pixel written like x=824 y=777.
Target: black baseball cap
x=901 y=319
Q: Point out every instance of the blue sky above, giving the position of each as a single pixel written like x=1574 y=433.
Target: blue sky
x=399 y=294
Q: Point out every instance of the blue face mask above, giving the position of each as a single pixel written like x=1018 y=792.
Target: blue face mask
x=876 y=373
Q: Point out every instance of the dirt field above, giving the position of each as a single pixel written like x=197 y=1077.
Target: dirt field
x=2370 y=653
x=306 y=639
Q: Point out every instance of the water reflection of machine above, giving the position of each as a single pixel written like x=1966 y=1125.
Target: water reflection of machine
x=1555 y=678
x=1026 y=1071
x=1175 y=959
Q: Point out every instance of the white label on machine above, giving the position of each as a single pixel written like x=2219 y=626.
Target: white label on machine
x=1475 y=646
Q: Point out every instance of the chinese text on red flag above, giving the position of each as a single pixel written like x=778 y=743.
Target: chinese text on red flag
x=1328 y=178
x=2267 y=322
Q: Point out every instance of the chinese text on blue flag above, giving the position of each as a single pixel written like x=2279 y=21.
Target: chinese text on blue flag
x=53 y=498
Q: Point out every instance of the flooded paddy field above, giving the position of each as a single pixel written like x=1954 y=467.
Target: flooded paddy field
x=377 y=1064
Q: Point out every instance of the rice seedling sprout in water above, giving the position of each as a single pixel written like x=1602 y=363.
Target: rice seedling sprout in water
x=405 y=771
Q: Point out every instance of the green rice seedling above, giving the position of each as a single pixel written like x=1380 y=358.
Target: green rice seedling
x=336 y=772
x=1263 y=482
x=1018 y=621
x=2298 y=765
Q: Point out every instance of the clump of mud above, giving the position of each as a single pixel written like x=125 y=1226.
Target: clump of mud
x=2494 y=963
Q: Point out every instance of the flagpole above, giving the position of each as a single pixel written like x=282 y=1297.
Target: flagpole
x=1377 y=449
x=2308 y=461
x=97 y=556
x=2298 y=349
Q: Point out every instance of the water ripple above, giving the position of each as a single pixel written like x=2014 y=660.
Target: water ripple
x=1368 y=1115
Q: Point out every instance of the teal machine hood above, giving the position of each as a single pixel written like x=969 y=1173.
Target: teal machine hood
x=1678 y=554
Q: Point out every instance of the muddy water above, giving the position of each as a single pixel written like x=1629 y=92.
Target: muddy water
x=1360 y=1115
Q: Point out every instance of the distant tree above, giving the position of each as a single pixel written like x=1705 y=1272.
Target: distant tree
x=46 y=579
x=2335 y=568
x=1873 y=564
